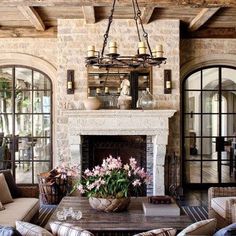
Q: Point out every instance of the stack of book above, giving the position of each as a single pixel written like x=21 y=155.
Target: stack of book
x=160 y=206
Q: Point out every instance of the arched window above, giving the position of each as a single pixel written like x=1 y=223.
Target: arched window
x=25 y=122
x=209 y=126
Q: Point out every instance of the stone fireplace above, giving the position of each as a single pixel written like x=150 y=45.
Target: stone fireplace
x=151 y=123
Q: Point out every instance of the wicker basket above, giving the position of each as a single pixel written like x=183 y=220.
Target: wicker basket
x=109 y=204
x=51 y=192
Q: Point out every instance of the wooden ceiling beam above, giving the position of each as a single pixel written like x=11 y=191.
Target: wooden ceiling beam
x=210 y=33
x=204 y=15
x=21 y=32
x=147 y=14
x=89 y=14
x=32 y=15
x=142 y=3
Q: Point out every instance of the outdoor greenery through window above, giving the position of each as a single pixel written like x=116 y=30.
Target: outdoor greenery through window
x=25 y=122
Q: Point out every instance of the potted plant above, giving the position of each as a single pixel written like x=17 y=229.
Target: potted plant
x=110 y=185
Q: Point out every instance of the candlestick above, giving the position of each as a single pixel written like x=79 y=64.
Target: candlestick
x=106 y=90
x=98 y=90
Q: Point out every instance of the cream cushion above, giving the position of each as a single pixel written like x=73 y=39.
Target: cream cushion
x=21 y=209
x=203 y=228
x=66 y=229
x=5 y=196
x=219 y=205
x=1 y=206
x=26 y=229
x=158 y=232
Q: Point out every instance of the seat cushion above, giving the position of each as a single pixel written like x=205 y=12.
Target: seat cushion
x=5 y=196
x=1 y=206
x=21 y=209
x=219 y=205
x=15 y=192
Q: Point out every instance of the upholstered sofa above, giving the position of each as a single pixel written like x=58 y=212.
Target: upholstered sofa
x=25 y=204
x=222 y=205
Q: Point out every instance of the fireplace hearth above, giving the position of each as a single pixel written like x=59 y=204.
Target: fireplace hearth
x=154 y=124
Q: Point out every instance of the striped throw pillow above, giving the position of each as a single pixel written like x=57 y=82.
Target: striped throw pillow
x=203 y=228
x=28 y=229
x=66 y=229
x=158 y=232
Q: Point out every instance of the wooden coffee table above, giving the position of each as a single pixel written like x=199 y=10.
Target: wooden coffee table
x=123 y=223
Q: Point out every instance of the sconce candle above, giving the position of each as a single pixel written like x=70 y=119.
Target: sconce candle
x=91 y=51
x=167 y=82
x=69 y=85
x=70 y=82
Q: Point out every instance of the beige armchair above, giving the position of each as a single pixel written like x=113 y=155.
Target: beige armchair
x=222 y=205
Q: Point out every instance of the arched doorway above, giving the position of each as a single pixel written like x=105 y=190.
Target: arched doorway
x=25 y=122
x=209 y=126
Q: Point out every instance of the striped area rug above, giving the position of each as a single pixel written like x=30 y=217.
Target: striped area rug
x=196 y=213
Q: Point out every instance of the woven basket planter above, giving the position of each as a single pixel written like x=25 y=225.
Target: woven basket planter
x=109 y=204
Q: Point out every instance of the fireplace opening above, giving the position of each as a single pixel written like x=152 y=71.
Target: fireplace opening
x=97 y=147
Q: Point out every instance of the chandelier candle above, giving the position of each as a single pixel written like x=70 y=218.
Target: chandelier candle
x=142 y=48
x=91 y=51
x=159 y=51
x=112 y=47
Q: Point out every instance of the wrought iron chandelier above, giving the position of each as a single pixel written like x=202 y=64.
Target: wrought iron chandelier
x=142 y=58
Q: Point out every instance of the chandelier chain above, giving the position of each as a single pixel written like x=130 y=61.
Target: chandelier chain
x=106 y=35
x=136 y=21
x=113 y=59
x=145 y=34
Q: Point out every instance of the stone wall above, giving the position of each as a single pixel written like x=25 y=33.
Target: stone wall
x=45 y=49
x=74 y=36
x=68 y=50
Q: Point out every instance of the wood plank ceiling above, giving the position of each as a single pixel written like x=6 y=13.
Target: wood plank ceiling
x=38 y=18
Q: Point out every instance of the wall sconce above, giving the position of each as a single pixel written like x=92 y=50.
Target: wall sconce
x=167 y=82
x=70 y=81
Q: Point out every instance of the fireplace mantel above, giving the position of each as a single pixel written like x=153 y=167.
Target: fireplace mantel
x=154 y=123
x=119 y=122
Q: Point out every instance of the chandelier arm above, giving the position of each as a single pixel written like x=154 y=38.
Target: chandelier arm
x=145 y=34
x=106 y=35
x=136 y=21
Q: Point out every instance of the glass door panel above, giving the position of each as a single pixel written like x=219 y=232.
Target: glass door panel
x=210 y=126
